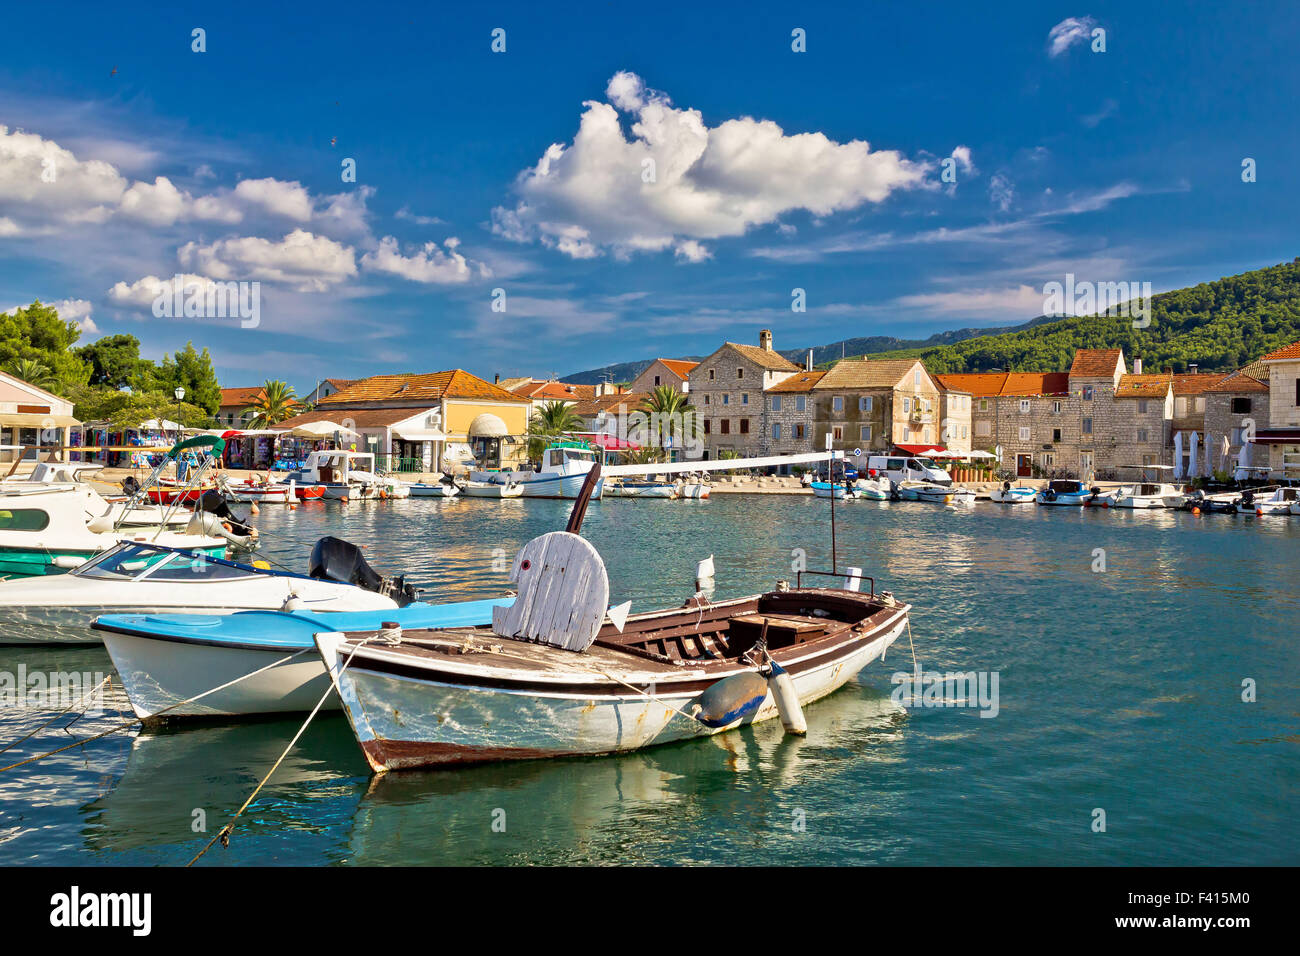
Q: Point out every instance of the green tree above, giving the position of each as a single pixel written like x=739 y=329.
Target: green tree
x=671 y=415
x=32 y=372
x=126 y=409
x=548 y=422
x=115 y=361
x=192 y=371
x=276 y=403
x=37 y=333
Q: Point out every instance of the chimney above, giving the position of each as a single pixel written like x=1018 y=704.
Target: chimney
x=765 y=339
x=1137 y=366
x=808 y=367
x=496 y=379
x=1192 y=367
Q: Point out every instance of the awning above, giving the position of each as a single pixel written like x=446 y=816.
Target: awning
x=29 y=420
x=458 y=451
x=1277 y=436
x=608 y=442
x=488 y=426
x=919 y=449
x=321 y=429
x=411 y=433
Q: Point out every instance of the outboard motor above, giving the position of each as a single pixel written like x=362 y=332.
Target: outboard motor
x=333 y=559
x=214 y=503
x=130 y=487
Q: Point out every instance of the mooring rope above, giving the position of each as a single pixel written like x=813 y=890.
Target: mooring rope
x=11 y=746
x=223 y=835
x=136 y=720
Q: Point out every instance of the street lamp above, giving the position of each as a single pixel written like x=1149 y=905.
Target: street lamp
x=180 y=397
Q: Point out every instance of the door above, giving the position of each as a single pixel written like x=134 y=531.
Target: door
x=1085 y=465
x=1024 y=466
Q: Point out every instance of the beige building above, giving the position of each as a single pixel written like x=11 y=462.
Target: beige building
x=873 y=405
x=662 y=371
x=34 y=418
x=727 y=389
x=789 y=407
x=1282 y=436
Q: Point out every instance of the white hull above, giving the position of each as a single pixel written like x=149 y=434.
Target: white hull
x=434 y=491
x=695 y=489
x=483 y=489
x=554 y=486
x=403 y=722
x=1025 y=497
x=158 y=674
x=654 y=491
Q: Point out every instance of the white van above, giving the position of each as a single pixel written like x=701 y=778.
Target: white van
x=898 y=468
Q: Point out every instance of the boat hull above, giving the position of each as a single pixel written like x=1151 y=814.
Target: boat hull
x=403 y=722
x=38 y=562
x=557 y=486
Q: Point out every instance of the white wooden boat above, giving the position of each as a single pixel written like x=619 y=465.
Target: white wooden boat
x=146 y=578
x=1265 y=502
x=342 y=474
x=433 y=490
x=563 y=470
x=553 y=676
x=491 y=489
x=1009 y=494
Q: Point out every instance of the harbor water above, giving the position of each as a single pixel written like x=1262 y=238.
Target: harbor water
x=1146 y=669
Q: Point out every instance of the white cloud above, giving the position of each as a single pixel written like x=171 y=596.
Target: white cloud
x=43 y=185
x=688 y=250
x=709 y=182
x=429 y=264
x=405 y=213
x=1068 y=33
x=963 y=157
x=1020 y=301
x=346 y=212
x=308 y=262
x=78 y=311
x=1002 y=191
x=1107 y=109
x=289 y=199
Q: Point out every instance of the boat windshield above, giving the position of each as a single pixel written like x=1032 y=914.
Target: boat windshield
x=124 y=562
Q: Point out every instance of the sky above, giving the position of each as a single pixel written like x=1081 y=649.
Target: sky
x=624 y=181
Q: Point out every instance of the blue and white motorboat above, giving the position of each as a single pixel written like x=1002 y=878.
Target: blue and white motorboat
x=164 y=659
x=1009 y=494
x=563 y=470
x=1066 y=492
x=840 y=490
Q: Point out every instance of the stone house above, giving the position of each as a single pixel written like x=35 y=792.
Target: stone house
x=874 y=405
x=1030 y=418
x=727 y=389
x=1141 y=426
x=662 y=371
x=1094 y=377
x=1236 y=406
x=1282 y=436
x=789 y=407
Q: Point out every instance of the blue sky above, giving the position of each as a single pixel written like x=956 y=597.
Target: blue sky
x=525 y=171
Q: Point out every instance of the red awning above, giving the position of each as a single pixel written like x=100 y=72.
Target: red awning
x=919 y=449
x=1278 y=436
x=608 y=442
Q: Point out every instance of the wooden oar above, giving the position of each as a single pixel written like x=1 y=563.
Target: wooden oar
x=584 y=498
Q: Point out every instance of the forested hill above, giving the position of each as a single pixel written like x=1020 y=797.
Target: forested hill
x=1220 y=326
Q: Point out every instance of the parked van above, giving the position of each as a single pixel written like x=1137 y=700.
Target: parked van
x=898 y=468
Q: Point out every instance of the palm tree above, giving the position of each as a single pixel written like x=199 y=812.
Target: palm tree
x=549 y=421
x=276 y=403
x=673 y=414
x=32 y=372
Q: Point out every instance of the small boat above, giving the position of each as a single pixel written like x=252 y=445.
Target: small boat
x=261 y=493
x=693 y=486
x=1144 y=496
x=1223 y=502
x=634 y=488
x=421 y=489
x=554 y=675
x=872 y=489
x=145 y=578
x=164 y=659
x=491 y=489
x=563 y=471
x=1064 y=492
x=1268 y=501
x=934 y=493
x=839 y=490
x=1009 y=494
x=339 y=474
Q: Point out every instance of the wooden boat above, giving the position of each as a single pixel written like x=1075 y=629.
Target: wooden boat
x=491 y=489
x=562 y=473
x=262 y=494
x=554 y=676
x=693 y=486
x=934 y=493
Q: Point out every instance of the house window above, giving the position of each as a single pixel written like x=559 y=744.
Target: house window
x=1199 y=406
x=656 y=380
x=1056 y=434
x=916 y=378
x=712 y=376
x=744 y=398
x=706 y=398
x=1087 y=426
x=837 y=403
x=800 y=403
x=964 y=432
x=925 y=437
x=726 y=399
x=1142 y=435
x=1297 y=391
x=1049 y=459
x=1087 y=393
x=708 y=426
x=907 y=405
x=1241 y=406
x=1180 y=407
x=864 y=403
x=1024 y=406
x=776 y=432
x=1056 y=408
x=740 y=373
x=776 y=407
x=1024 y=433
x=1142 y=406
x=744 y=426
x=798 y=431
x=864 y=433
x=984 y=404
x=983 y=429
x=726 y=426
x=837 y=432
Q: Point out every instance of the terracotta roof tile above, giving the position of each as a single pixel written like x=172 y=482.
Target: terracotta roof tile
x=679 y=367
x=352 y=417
x=1095 y=363
x=1291 y=351
x=1144 y=386
x=431 y=387
x=800 y=382
x=556 y=391
x=1251 y=378
x=1194 y=383
x=866 y=373
x=594 y=406
x=1007 y=384
x=242 y=397
x=763 y=358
